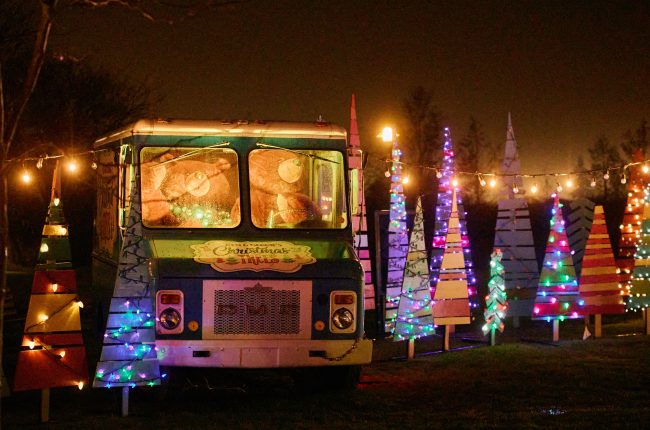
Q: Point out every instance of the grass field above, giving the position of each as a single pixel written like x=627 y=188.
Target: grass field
x=524 y=382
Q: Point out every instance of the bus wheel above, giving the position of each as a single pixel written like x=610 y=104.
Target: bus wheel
x=313 y=379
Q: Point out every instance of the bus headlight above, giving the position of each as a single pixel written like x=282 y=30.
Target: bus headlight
x=170 y=318
x=342 y=318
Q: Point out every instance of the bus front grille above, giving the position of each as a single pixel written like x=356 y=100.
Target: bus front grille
x=266 y=308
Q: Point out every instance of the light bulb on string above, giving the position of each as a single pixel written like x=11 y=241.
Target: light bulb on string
x=93 y=166
x=405 y=180
x=593 y=182
x=454 y=182
x=645 y=169
x=533 y=189
x=515 y=189
x=438 y=174
x=569 y=183
x=481 y=180
x=39 y=163
x=72 y=166
x=26 y=177
x=623 y=179
x=387 y=174
x=606 y=175
x=559 y=188
x=493 y=183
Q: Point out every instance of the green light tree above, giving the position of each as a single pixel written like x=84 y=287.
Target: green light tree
x=496 y=303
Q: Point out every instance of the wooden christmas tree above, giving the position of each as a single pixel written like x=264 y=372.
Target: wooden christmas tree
x=640 y=289
x=414 y=312
x=636 y=184
x=451 y=292
x=448 y=204
x=599 y=288
x=358 y=208
x=513 y=236
x=397 y=240
x=581 y=216
x=128 y=357
x=52 y=352
x=557 y=293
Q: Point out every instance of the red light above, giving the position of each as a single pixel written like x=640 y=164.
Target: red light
x=344 y=299
x=170 y=299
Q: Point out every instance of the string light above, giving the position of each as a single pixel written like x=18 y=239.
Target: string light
x=623 y=179
x=481 y=180
x=593 y=182
x=26 y=177
x=606 y=175
x=493 y=183
x=533 y=189
x=39 y=163
x=515 y=189
x=72 y=166
x=569 y=183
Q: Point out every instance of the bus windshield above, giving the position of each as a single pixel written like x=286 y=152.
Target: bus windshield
x=189 y=187
x=303 y=189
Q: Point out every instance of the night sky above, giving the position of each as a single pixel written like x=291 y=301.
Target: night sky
x=569 y=71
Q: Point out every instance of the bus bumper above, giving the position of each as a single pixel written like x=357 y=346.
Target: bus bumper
x=260 y=354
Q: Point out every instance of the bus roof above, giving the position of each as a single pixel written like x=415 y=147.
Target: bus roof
x=191 y=127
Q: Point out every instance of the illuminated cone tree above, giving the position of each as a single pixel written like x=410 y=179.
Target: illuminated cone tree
x=53 y=352
x=640 y=290
x=414 y=311
x=128 y=356
x=599 y=287
x=449 y=203
x=397 y=239
x=557 y=293
x=496 y=304
x=636 y=183
x=358 y=208
x=451 y=292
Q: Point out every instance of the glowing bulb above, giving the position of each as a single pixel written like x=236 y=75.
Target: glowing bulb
x=438 y=174
x=44 y=248
x=645 y=168
x=62 y=354
x=606 y=175
x=80 y=303
x=454 y=182
x=481 y=181
x=72 y=166
x=533 y=189
x=493 y=183
x=559 y=188
x=593 y=182
x=94 y=167
x=623 y=179
x=39 y=163
x=80 y=385
x=54 y=287
x=387 y=134
x=569 y=183
x=42 y=318
x=31 y=344
x=387 y=174
x=515 y=189
x=405 y=180
x=56 y=201
x=26 y=177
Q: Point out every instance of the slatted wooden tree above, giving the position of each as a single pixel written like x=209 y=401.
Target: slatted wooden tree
x=598 y=286
x=359 y=218
x=397 y=240
x=514 y=237
x=580 y=216
x=451 y=292
x=449 y=202
x=557 y=293
x=414 y=312
x=631 y=224
x=52 y=352
x=129 y=357
x=639 y=298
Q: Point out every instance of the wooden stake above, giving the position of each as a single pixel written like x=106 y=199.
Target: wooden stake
x=445 y=342
x=492 y=337
x=452 y=328
x=646 y=317
x=515 y=322
x=45 y=405
x=598 y=325
x=125 y=401
x=411 y=349
x=556 y=330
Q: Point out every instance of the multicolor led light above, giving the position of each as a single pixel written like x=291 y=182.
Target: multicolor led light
x=496 y=305
x=640 y=284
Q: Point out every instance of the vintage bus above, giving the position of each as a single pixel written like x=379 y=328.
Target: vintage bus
x=247 y=226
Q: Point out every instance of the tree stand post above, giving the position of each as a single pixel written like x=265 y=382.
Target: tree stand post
x=556 y=330
x=410 y=349
x=515 y=322
x=452 y=328
x=445 y=339
x=45 y=405
x=492 y=336
x=598 y=325
x=125 y=401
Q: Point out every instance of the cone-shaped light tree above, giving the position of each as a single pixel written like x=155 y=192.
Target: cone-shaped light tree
x=557 y=294
x=640 y=290
x=414 y=312
x=397 y=235
x=128 y=357
x=358 y=207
